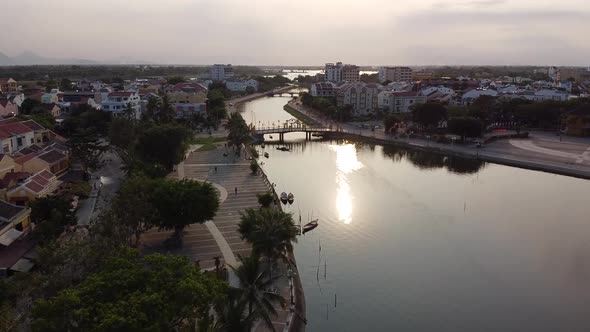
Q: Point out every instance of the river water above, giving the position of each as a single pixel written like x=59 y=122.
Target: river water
x=413 y=241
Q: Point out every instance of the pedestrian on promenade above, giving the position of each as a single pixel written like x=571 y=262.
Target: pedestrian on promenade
x=215 y=169
x=236 y=190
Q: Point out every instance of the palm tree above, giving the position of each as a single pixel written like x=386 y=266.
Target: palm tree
x=254 y=285
x=232 y=315
x=238 y=129
x=153 y=105
x=270 y=231
x=166 y=113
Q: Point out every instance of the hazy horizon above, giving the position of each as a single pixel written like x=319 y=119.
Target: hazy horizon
x=304 y=33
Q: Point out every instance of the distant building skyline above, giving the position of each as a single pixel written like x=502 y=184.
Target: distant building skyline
x=267 y=32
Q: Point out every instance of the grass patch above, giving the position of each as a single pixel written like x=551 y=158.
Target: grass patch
x=208 y=140
x=207 y=147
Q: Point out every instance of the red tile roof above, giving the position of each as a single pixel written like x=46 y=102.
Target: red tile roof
x=34 y=186
x=12 y=177
x=46 y=174
x=15 y=128
x=25 y=158
x=33 y=125
x=52 y=156
x=40 y=180
x=4 y=134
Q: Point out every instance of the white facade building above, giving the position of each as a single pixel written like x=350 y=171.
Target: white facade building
x=341 y=73
x=546 y=94
x=363 y=97
x=221 y=72
x=323 y=89
x=242 y=85
x=399 y=102
x=333 y=72
x=118 y=102
x=395 y=74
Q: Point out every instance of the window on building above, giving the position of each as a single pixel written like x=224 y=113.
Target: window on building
x=19 y=141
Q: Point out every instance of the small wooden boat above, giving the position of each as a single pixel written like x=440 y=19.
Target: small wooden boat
x=262 y=145
x=284 y=197
x=310 y=226
x=283 y=148
x=266 y=154
x=290 y=198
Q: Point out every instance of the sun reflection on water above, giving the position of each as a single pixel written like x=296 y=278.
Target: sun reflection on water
x=346 y=163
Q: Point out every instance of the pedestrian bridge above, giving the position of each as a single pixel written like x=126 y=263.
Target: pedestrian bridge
x=308 y=130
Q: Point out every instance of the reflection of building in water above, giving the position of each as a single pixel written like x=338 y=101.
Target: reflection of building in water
x=346 y=163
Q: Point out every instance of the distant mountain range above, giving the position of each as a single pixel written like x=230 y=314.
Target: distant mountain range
x=30 y=58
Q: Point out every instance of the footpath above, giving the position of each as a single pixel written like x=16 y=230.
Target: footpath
x=217 y=243
x=498 y=153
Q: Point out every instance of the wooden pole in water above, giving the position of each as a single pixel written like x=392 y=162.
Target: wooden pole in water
x=335 y=302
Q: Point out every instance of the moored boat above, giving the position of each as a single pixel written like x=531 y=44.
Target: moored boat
x=290 y=198
x=310 y=226
x=266 y=154
x=284 y=197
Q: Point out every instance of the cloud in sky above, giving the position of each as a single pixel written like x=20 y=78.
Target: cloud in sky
x=306 y=32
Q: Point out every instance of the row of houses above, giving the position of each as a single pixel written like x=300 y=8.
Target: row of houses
x=32 y=161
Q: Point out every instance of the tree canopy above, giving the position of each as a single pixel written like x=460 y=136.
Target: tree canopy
x=131 y=293
x=429 y=114
x=163 y=145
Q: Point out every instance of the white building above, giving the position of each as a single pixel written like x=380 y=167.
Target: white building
x=546 y=94
x=470 y=96
x=399 y=102
x=341 y=73
x=395 y=74
x=241 y=85
x=118 y=102
x=221 y=72
x=363 y=97
x=324 y=89
x=333 y=72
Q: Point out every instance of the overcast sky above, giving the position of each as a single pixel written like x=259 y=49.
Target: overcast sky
x=302 y=32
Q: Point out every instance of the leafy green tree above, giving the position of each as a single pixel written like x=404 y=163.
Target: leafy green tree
x=152 y=107
x=254 y=166
x=306 y=99
x=163 y=145
x=465 y=127
x=166 y=113
x=51 y=215
x=254 y=285
x=132 y=293
x=265 y=200
x=65 y=84
x=176 y=79
x=270 y=231
x=429 y=114
x=390 y=121
x=87 y=148
x=28 y=105
x=181 y=203
x=122 y=132
x=133 y=208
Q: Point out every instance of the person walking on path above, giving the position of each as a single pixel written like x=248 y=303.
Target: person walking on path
x=236 y=190
x=215 y=169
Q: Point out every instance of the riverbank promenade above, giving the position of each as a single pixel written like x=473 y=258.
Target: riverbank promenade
x=540 y=151
x=219 y=239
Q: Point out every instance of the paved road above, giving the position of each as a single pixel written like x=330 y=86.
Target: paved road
x=105 y=182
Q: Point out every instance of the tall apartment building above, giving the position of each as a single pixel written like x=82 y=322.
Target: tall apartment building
x=221 y=72
x=341 y=73
x=395 y=74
